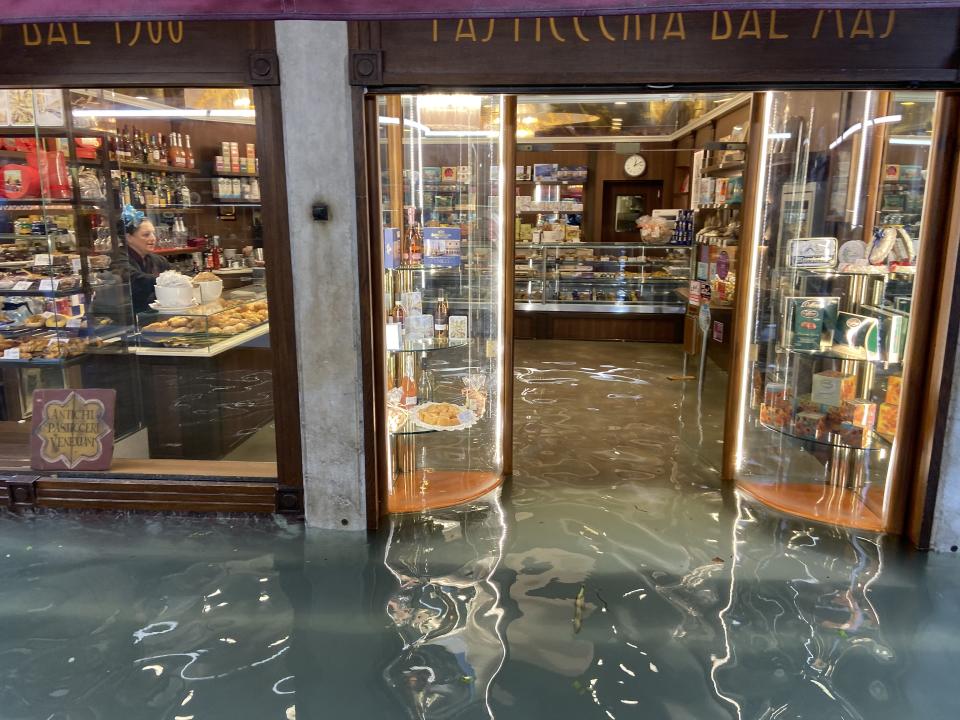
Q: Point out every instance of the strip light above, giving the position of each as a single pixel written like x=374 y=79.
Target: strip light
x=169 y=113
x=759 y=206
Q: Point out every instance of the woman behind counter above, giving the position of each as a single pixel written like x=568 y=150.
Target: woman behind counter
x=137 y=264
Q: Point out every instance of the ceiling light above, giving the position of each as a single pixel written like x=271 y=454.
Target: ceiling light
x=141 y=97
x=242 y=102
x=906 y=103
x=529 y=120
x=620 y=102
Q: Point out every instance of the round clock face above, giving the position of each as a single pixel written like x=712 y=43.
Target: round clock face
x=635 y=165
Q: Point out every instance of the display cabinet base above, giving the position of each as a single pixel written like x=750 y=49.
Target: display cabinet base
x=661 y=328
x=433 y=489
x=819 y=502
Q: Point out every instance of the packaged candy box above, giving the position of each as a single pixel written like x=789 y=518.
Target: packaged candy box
x=775 y=417
x=777 y=395
x=853 y=435
x=859 y=412
x=810 y=425
x=806 y=404
x=832 y=387
x=894 y=384
x=887 y=420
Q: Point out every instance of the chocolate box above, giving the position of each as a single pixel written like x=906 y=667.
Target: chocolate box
x=775 y=417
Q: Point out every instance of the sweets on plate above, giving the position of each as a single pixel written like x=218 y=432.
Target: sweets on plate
x=440 y=414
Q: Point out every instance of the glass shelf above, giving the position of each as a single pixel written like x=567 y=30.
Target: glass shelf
x=836 y=355
x=877 y=442
x=411 y=428
x=416 y=346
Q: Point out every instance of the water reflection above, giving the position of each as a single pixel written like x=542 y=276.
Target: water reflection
x=446 y=608
x=692 y=604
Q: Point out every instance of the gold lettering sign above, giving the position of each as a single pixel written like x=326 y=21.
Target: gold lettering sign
x=128 y=34
x=727 y=25
x=72 y=428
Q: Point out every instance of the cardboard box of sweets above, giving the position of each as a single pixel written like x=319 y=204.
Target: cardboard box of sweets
x=894 y=385
x=859 y=412
x=810 y=425
x=775 y=417
x=777 y=395
x=853 y=435
x=887 y=420
x=832 y=387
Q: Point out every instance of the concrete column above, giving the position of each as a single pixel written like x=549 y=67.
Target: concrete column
x=319 y=157
x=946 y=519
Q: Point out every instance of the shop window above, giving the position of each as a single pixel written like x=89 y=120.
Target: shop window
x=132 y=260
x=837 y=238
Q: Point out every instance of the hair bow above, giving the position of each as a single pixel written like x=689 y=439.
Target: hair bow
x=131 y=216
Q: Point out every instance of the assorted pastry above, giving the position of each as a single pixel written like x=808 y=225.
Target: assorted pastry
x=49 y=347
x=230 y=321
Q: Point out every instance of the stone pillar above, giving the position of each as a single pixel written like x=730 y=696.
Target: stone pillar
x=946 y=519
x=318 y=141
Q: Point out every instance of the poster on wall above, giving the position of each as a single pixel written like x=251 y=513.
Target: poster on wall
x=4 y=109
x=72 y=429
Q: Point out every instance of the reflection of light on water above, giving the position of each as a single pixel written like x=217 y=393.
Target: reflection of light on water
x=716 y=662
x=158 y=628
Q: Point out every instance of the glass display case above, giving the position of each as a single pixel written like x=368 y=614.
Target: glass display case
x=601 y=277
x=831 y=290
x=237 y=315
x=443 y=259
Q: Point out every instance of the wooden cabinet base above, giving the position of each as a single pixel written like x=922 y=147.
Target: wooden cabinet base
x=211 y=495
x=532 y=325
x=433 y=489
x=820 y=502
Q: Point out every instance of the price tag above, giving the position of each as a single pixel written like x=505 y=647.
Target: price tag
x=49 y=284
x=23 y=285
x=75 y=322
x=11 y=354
x=76 y=265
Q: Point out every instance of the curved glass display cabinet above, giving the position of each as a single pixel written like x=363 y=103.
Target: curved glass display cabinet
x=443 y=297
x=836 y=241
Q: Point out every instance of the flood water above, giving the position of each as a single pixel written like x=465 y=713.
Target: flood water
x=612 y=577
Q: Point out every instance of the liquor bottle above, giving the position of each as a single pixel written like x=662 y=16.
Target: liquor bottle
x=155 y=149
x=191 y=162
x=125 y=190
x=122 y=145
x=397 y=314
x=181 y=153
x=172 y=150
x=441 y=317
x=408 y=383
x=147 y=150
x=215 y=253
x=416 y=246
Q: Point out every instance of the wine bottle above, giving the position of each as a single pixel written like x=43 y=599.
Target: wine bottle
x=441 y=318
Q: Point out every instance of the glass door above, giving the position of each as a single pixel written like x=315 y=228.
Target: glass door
x=443 y=296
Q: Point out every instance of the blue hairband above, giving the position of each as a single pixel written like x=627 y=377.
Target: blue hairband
x=131 y=216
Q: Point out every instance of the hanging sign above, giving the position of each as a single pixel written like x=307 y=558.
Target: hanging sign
x=72 y=429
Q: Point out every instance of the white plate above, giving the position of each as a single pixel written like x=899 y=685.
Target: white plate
x=157 y=306
x=466 y=416
x=233 y=271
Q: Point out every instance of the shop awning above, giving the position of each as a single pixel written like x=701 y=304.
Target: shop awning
x=18 y=11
